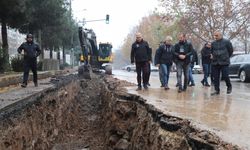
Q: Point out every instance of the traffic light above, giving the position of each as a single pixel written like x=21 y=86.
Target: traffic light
x=107 y=19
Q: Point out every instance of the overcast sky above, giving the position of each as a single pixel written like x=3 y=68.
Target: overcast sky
x=124 y=15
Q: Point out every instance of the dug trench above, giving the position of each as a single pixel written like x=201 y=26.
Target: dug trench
x=96 y=114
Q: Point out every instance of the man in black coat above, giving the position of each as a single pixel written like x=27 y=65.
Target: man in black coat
x=30 y=50
x=222 y=50
x=206 y=63
x=148 y=84
x=182 y=51
x=141 y=55
x=160 y=71
x=193 y=61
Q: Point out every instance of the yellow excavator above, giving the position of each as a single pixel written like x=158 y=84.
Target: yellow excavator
x=93 y=56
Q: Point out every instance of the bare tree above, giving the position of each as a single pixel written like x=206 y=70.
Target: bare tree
x=203 y=17
x=126 y=47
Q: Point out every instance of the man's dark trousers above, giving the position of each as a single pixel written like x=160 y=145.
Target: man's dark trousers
x=216 y=74
x=142 y=67
x=30 y=63
x=182 y=66
x=149 y=72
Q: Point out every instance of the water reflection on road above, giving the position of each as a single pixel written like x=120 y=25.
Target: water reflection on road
x=227 y=115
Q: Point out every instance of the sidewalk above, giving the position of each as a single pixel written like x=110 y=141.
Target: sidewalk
x=11 y=93
x=16 y=78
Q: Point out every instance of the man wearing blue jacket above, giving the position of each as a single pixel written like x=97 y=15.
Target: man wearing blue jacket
x=164 y=60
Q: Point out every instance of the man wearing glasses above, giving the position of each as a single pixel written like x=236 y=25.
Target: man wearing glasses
x=222 y=50
x=141 y=56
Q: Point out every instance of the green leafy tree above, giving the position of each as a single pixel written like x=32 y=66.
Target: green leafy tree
x=41 y=14
x=12 y=15
x=54 y=20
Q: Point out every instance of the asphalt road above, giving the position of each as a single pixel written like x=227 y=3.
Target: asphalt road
x=227 y=115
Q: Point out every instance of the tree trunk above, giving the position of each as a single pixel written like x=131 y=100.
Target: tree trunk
x=51 y=52
x=245 y=44
x=64 y=56
x=245 y=40
x=5 y=63
x=40 y=43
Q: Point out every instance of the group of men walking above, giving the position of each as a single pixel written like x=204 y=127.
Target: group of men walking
x=215 y=61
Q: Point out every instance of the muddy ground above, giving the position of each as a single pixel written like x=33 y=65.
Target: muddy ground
x=96 y=114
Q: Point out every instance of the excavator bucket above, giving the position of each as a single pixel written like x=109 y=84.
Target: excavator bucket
x=84 y=71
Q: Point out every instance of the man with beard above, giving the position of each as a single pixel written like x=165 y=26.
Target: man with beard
x=182 y=51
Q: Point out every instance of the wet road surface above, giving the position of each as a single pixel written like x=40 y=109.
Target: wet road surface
x=227 y=115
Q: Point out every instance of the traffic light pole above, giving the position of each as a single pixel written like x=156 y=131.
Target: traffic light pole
x=107 y=20
x=95 y=20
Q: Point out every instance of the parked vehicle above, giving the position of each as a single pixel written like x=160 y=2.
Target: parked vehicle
x=129 y=68
x=240 y=67
x=197 y=69
x=133 y=68
x=154 y=68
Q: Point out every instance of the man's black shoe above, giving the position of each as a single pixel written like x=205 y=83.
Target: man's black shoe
x=179 y=90
x=145 y=87
x=215 y=93
x=139 y=88
x=229 y=90
x=36 y=84
x=24 y=85
x=202 y=82
x=148 y=84
x=192 y=84
x=207 y=85
x=166 y=87
x=177 y=85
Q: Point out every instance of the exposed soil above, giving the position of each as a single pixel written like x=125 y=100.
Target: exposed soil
x=97 y=114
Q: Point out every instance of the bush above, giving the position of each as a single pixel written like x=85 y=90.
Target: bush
x=17 y=63
x=63 y=66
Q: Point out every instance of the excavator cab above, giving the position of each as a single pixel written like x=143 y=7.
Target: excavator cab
x=105 y=53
